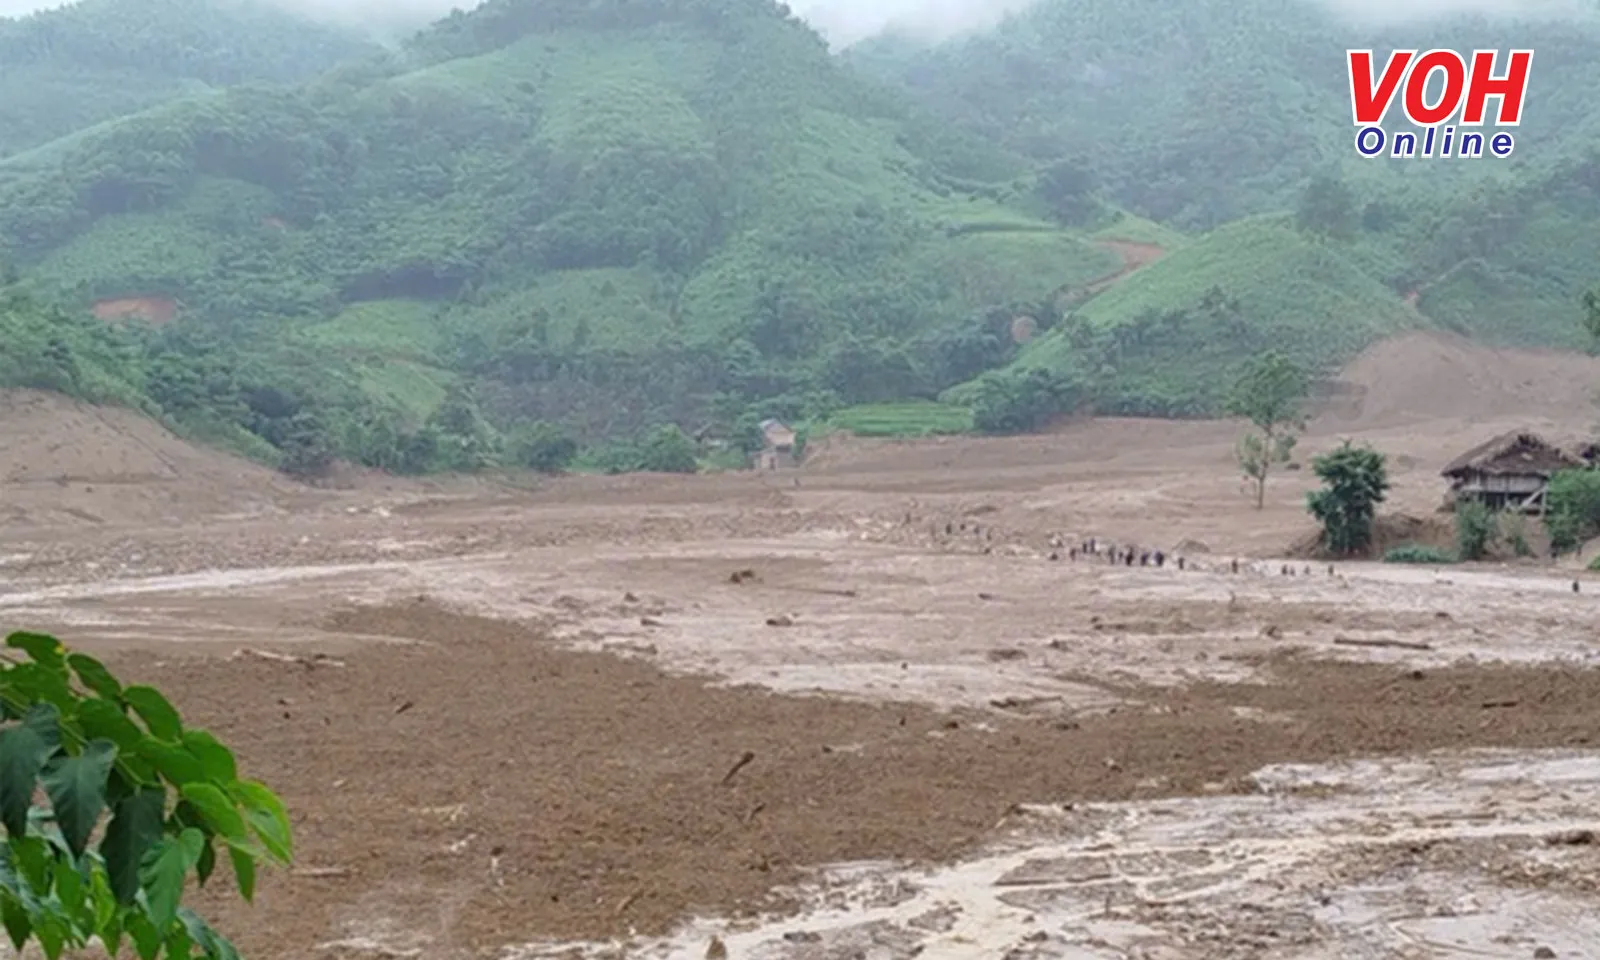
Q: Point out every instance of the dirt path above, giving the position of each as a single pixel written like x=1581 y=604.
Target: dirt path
x=1133 y=256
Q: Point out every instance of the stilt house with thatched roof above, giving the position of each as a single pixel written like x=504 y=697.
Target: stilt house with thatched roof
x=1509 y=472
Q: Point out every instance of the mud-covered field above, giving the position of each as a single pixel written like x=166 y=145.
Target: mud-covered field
x=870 y=708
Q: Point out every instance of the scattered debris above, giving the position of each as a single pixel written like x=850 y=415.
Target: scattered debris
x=370 y=946
x=1571 y=838
x=1395 y=644
x=744 y=761
x=740 y=576
x=315 y=660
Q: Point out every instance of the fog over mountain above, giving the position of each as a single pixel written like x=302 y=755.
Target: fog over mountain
x=847 y=21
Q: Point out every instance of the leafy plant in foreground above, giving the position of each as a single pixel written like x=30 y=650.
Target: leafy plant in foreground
x=174 y=797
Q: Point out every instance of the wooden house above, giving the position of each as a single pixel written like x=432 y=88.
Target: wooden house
x=779 y=451
x=1509 y=472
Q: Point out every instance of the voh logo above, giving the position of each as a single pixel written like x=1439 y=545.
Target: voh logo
x=1466 y=88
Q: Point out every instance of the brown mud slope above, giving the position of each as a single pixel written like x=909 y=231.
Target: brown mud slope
x=71 y=463
x=154 y=310
x=1441 y=376
x=486 y=787
x=1133 y=256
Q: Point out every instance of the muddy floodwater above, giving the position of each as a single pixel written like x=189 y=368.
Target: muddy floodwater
x=877 y=707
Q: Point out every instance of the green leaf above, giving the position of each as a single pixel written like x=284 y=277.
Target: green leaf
x=213 y=756
x=193 y=842
x=173 y=762
x=219 y=811
x=42 y=649
x=146 y=937
x=51 y=938
x=102 y=718
x=18 y=927
x=107 y=914
x=111 y=935
x=267 y=817
x=105 y=902
x=32 y=682
x=135 y=827
x=179 y=946
x=244 y=872
x=24 y=749
x=215 y=945
x=33 y=858
x=158 y=715
x=163 y=876
x=207 y=863
x=77 y=789
x=94 y=675
x=69 y=887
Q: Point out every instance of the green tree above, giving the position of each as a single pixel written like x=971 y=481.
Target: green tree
x=92 y=746
x=544 y=447
x=1328 y=209
x=306 y=448
x=1591 y=318
x=1572 y=507
x=1011 y=402
x=668 y=450
x=1475 y=527
x=1269 y=395
x=747 y=435
x=1355 y=480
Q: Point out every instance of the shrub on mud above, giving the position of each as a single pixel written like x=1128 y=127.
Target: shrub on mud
x=1573 y=504
x=1355 y=480
x=173 y=795
x=1417 y=553
x=1475 y=528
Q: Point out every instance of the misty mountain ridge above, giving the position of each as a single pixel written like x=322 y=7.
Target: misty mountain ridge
x=612 y=215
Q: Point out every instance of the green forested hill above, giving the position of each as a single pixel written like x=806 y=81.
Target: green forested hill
x=1202 y=111
x=595 y=217
x=609 y=214
x=71 y=67
x=1206 y=114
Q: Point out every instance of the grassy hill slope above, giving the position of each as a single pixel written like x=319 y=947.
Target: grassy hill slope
x=1169 y=339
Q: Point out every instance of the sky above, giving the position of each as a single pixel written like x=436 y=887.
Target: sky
x=845 y=21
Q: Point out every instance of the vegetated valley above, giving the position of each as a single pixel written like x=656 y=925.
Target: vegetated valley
x=618 y=235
